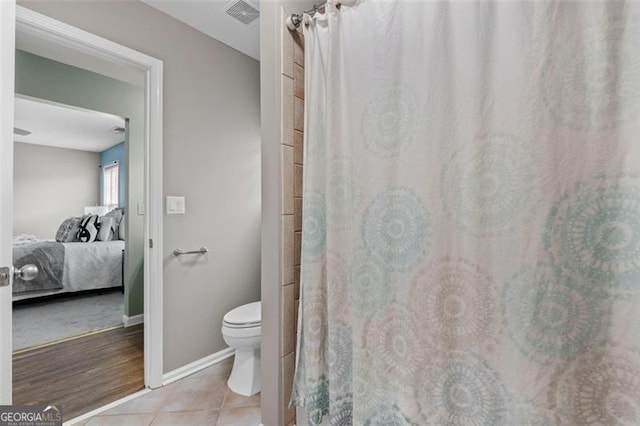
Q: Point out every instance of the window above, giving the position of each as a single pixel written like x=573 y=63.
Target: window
x=110 y=185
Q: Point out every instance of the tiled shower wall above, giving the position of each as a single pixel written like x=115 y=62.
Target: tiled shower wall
x=291 y=209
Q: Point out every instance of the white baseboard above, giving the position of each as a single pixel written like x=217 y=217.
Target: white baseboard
x=196 y=366
x=99 y=410
x=134 y=320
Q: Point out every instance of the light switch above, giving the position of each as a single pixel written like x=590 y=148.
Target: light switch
x=175 y=205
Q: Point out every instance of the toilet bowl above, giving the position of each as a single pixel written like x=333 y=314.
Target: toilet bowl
x=242 y=330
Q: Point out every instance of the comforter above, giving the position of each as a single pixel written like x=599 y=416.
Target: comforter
x=68 y=267
x=48 y=256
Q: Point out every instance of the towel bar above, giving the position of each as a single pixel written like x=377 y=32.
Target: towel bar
x=180 y=252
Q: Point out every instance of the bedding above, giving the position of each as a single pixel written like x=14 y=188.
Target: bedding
x=93 y=265
x=24 y=239
x=68 y=267
x=85 y=255
x=121 y=229
x=48 y=256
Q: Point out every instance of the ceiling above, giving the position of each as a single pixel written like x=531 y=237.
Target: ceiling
x=210 y=18
x=64 y=126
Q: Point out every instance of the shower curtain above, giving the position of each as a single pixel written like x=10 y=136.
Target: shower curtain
x=471 y=214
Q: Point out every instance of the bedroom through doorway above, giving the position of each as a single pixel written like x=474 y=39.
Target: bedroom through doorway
x=79 y=218
x=77 y=241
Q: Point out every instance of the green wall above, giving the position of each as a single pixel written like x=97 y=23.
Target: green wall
x=43 y=78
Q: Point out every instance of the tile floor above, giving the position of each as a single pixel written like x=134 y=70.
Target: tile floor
x=200 y=399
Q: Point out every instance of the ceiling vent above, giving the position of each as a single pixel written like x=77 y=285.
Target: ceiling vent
x=243 y=11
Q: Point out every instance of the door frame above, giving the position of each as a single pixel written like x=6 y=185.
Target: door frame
x=14 y=18
x=7 y=66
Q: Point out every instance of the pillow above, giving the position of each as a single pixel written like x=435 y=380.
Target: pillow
x=121 y=229
x=68 y=230
x=88 y=230
x=117 y=214
x=105 y=229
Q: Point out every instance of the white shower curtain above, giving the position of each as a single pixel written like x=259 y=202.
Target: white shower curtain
x=471 y=214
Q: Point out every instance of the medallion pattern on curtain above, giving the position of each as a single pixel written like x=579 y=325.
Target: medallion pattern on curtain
x=471 y=215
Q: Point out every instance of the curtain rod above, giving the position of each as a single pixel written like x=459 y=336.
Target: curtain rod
x=109 y=163
x=294 y=20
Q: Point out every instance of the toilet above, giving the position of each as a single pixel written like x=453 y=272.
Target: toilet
x=242 y=330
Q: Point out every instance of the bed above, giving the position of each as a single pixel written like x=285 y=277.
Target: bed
x=67 y=267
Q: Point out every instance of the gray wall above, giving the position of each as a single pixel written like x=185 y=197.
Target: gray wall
x=49 y=185
x=46 y=79
x=211 y=156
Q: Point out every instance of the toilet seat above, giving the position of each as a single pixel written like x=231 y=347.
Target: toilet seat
x=245 y=316
x=231 y=325
x=241 y=332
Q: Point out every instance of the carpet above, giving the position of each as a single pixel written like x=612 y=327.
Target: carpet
x=52 y=320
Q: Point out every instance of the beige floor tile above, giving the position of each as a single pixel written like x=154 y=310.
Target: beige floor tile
x=194 y=400
x=233 y=400
x=221 y=369
x=205 y=417
x=206 y=381
x=245 y=416
x=122 y=420
x=150 y=402
x=195 y=393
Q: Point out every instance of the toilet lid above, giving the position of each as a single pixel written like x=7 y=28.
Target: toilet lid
x=249 y=314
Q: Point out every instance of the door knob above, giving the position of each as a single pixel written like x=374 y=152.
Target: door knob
x=26 y=273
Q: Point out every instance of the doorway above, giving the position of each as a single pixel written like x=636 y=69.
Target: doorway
x=70 y=169
x=150 y=208
x=71 y=165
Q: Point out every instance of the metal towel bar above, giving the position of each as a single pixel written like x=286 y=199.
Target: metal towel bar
x=180 y=252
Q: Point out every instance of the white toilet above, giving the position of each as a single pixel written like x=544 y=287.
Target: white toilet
x=242 y=330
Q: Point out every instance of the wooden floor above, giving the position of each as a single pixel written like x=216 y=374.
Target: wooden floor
x=81 y=374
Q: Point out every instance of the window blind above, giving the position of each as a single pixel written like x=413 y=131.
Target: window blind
x=110 y=185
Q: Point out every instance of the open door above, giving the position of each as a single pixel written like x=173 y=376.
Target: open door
x=7 y=52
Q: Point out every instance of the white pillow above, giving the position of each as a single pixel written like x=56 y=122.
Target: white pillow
x=88 y=229
x=117 y=215
x=105 y=229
